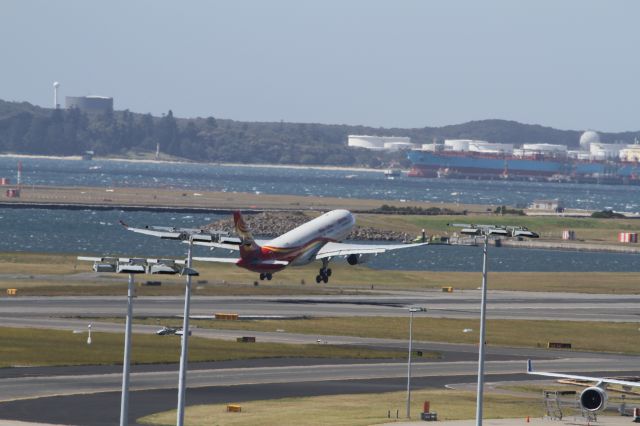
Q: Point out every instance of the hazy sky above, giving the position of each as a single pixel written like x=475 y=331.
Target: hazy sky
x=567 y=64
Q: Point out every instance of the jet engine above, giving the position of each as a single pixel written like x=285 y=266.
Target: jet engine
x=593 y=399
x=358 y=259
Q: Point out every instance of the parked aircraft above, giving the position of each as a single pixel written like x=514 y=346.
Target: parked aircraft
x=593 y=398
x=319 y=239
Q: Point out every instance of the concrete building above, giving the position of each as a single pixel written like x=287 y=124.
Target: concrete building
x=89 y=103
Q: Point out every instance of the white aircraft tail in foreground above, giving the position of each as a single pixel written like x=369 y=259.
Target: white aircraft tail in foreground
x=319 y=239
x=593 y=398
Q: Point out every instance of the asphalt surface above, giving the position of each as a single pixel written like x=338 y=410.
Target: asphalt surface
x=460 y=304
x=103 y=409
x=90 y=395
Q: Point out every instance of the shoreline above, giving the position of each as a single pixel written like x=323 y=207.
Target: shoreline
x=149 y=161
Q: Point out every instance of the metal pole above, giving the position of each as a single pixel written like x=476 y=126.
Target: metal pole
x=409 y=364
x=482 y=334
x=124 y=403
x=185 y=342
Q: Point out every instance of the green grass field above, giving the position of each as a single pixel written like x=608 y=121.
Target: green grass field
x=602 y=336
x=588 y=229
x=57 y=275
x=353 y=410
x=36 y=347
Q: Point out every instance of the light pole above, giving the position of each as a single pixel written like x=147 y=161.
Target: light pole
x=481 y=343
x=133 y=266
x=124 y=401
x=485 y=231
x=411 y=312
x=184 y=352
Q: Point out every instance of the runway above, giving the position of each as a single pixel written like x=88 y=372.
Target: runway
x=93 y=392
x=31 y=387
x=461 y=304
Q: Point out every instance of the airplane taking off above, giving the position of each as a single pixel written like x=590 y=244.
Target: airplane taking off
x=593 y=398
x=318 y=239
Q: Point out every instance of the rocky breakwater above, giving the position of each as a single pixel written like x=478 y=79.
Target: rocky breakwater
x=272 y=224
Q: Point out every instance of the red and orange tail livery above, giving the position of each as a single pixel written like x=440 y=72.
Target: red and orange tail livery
x=241 y=227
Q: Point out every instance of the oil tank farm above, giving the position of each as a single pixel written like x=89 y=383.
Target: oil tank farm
x=380 y=143
x=90 y=103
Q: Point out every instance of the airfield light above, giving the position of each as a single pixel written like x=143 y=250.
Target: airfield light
x=89 y=335
x=412 y=310
x=486 y=231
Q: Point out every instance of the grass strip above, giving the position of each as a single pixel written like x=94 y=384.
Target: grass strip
x=353 y=410
x=36 y=347
x=602 y=336
x=66 y=276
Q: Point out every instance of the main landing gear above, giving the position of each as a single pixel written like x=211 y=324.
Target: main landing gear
x=324 y=275
x=266 y=275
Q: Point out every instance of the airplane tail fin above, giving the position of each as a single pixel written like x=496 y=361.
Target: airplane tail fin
x=248 y=246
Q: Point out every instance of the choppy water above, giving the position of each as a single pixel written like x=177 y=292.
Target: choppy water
x=294 y=181
x=98 y=233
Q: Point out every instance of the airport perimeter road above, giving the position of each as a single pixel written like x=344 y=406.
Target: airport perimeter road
x=461 y=304
x=13 y=388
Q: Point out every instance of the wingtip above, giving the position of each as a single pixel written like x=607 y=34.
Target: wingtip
x=123 y=223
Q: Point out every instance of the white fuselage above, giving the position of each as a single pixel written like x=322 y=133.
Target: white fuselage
x=300 y=245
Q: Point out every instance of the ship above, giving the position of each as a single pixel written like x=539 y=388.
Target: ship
x=479 y=165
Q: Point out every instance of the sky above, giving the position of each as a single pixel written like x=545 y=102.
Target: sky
x=570 y=64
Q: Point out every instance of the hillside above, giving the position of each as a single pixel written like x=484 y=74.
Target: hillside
x=28 y=129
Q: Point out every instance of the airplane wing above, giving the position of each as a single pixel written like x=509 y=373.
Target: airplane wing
x=345 y=249
x=235 y=260
x=226 y=243
x=182 y=234
x=598 y=380
x=217 y=259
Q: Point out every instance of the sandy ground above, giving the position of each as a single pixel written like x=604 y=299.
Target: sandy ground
x=167 y=197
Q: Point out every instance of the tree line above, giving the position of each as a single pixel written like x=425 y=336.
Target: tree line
x=25 y=130
x=28 y=129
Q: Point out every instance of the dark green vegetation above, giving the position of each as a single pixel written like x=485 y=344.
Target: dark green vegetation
x=27 y=129
x=607 y=214
x=412 y=210
x=28 y=346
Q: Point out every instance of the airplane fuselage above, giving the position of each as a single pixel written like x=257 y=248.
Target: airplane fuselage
x=300 y=245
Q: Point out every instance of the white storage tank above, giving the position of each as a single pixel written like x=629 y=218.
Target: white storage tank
x=378 y=142
x=587 y=138
x=605 y=151
x=630 y=153
x=457 y=144
x=398 y=146
x=431 y=147
x=490 y=147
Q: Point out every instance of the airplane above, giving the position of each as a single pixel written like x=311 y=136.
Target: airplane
x=594 y=398
x=318 y=239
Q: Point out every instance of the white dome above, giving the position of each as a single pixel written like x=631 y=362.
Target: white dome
x=588 y=138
